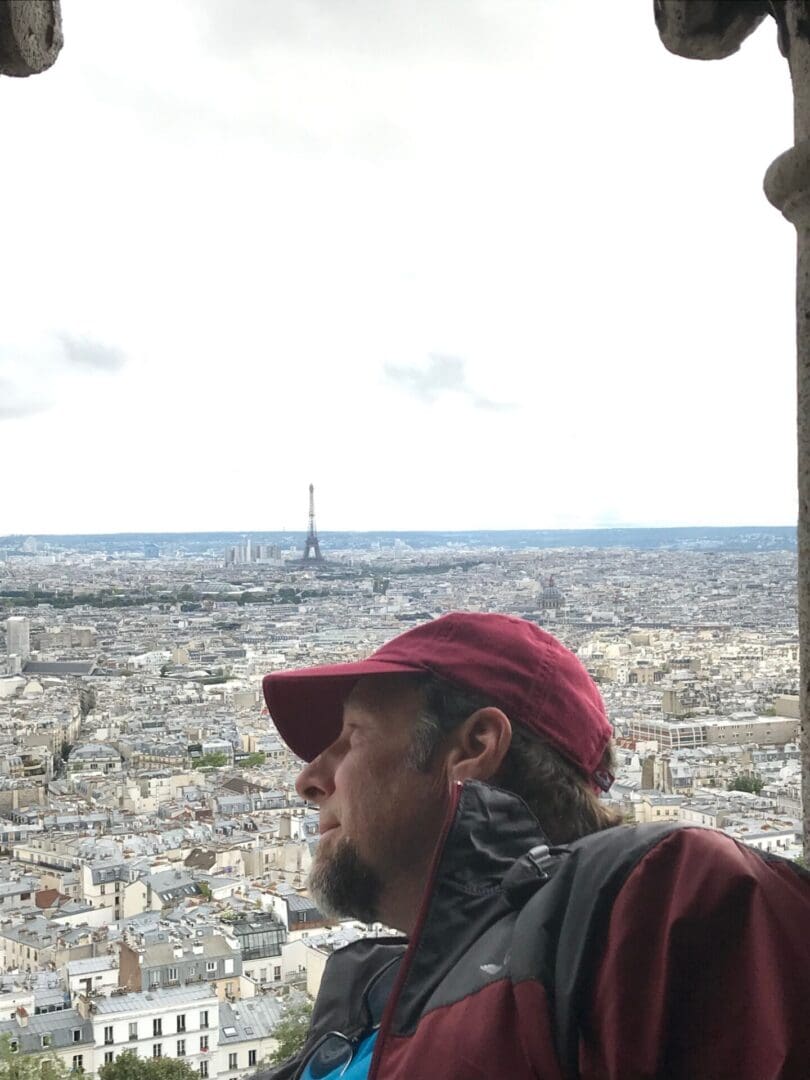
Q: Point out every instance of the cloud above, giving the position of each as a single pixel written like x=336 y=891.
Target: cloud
x=89 y=355
x=475 y=29
x=15 y=403
x=442 y=375
x=34 y=374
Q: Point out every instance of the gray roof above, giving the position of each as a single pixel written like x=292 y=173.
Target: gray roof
x=173 y=883
x=59 y=667
x=92 y=964
x=58 y=1025
x=13 y=888
x=250 y=1018
x=299 y=903
x=94 y=750
x=162 y=952
x=152 y=999
x=49 y=996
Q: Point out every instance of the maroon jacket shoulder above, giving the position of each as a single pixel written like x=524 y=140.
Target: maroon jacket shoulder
x=706 y=967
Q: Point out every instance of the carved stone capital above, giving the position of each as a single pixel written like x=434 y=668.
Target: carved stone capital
x=30 y=35
x=707 y=29
x=787 y=184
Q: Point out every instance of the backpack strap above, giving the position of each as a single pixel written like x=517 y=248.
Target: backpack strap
x=565 y=896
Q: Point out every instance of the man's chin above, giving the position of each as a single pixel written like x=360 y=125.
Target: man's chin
x=343 y=885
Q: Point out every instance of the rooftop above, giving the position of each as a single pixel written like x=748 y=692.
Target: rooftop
x=150 y=1000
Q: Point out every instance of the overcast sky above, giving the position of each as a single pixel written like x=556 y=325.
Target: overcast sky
x=460 y=263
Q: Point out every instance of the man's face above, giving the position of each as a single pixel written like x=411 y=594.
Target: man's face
x=380 y=817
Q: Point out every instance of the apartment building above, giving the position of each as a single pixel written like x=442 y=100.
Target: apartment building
x=246 y=1035
x=113 y=885
x=176 y=1022
x=66 y=1034
x=212 y=959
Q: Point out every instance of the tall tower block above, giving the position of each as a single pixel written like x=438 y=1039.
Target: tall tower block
x=18 y=637
x=312 y=549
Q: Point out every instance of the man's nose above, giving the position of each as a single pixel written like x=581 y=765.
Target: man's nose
x=315 y=781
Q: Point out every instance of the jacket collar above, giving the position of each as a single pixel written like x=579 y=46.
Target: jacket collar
x=491 y=829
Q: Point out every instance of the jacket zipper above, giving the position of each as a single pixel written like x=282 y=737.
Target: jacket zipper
x=407 y=959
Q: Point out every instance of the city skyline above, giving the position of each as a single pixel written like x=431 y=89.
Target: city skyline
x=416 y=258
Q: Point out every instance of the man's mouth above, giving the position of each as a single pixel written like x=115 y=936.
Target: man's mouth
x=327 y=826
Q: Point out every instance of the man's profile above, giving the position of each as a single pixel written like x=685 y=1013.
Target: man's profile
x=457 y=772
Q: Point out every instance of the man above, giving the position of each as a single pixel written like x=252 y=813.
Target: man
x=457 y=772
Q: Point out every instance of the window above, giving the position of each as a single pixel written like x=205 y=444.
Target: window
x=154 y=978
x=172 y=974
x=203 y=1044
x=232 y=1061
x=211 y=967
x=251 y=1057
x=46 y=1041
x=103 y=890
x=157 y=1050
x=14 y=1046
x=157 y=1026
x=203 y=1069
x=77 y=1035
x=108 y=1057
x=78 y=1063
x=133 y=1031
x=204 y=1018
x=181 y=1047
x=108 y=1035
x=277 y=973
x=181 y=1021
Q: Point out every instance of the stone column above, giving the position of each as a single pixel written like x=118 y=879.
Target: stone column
x=30 y=35
x=787 y=185
x=711 y=30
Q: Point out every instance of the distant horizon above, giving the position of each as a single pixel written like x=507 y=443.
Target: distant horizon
x=410 y=530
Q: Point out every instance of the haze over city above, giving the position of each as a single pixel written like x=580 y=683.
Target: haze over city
x=405 y=252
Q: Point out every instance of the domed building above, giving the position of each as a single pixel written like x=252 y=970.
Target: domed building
x=552 y=599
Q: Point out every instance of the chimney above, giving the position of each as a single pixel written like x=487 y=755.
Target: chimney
x=22 y=1016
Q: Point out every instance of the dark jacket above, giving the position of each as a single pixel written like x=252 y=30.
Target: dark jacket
x=641 y=951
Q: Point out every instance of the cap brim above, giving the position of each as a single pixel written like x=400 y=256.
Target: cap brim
x=307 y=705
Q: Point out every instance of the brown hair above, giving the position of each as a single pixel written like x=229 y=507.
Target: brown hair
x=556 y=791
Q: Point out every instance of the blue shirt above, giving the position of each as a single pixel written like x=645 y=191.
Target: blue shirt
x=358 y=1067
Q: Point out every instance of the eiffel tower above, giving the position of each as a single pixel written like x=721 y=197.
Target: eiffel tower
x=312 y=549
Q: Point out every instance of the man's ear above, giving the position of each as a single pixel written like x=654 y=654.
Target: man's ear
x=478 y=745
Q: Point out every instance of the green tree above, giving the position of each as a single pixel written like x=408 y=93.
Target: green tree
x=17 y=1066
x=291 y=1032
x=252 y=760
x=210 y=761
x=128 y=1066
x=752 y=784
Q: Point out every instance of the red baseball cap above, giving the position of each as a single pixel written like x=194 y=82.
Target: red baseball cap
x=511 y=662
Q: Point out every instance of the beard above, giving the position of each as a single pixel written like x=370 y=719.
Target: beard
x=343 y=885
